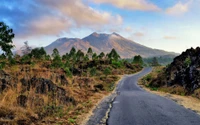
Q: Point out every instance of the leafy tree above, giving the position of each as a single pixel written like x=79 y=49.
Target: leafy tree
x=94 y=56
x=72 y=52
x=38 y=53
x=2 y=56
x=113 y=55
x=90 y=53
x=107 y=72
x=6 y=36
x=57 y=62
x=80 y=55
x=26 y=49
x=86 y=58
x=101 y=55
x=55 y=53
x=137 y=60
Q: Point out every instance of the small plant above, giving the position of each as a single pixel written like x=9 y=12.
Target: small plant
x=70 y=120
x=187 y=62
x=107 y=72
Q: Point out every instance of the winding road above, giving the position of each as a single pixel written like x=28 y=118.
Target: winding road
x=134 y=106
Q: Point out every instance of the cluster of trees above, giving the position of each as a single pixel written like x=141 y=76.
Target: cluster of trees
x=145 y=61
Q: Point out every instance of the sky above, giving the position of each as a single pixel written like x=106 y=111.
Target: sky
x=171 y=25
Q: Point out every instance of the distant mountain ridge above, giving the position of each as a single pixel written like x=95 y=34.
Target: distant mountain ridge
x=105 y=43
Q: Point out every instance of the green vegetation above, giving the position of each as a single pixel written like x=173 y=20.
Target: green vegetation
x=6 y=36
x=187 y=62
x=38 y=87
x=138 y=60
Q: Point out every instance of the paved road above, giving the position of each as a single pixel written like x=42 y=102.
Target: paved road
x=134 y=106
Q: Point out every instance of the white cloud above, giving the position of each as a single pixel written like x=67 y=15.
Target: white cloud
x=179 y=8
x=142 y=5
x=170 y=37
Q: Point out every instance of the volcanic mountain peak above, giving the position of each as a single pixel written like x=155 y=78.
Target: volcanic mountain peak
x=101 y=42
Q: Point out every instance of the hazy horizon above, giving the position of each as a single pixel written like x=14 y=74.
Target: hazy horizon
x=171 y=25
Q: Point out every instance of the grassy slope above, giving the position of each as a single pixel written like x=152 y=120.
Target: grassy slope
x=84 y=89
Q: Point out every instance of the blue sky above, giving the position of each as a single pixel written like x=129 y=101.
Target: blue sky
x=171 y=25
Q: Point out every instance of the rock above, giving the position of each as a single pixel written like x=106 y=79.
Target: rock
x=22 y=100
x=99 y=86
x=183 y=71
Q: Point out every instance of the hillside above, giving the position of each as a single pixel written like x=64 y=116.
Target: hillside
x=104 y=43
x=182 y=76
x=37 y=89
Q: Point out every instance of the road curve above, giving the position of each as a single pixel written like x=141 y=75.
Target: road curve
x=135 y=106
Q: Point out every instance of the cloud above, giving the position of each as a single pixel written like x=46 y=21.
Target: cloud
x=128 y=29
x=138 y=34
x=169 y=37
x=50 y=17
x=142 y=5
x=179 y=8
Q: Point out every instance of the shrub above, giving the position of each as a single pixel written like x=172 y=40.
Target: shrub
x=93 y=71
x=107 y=72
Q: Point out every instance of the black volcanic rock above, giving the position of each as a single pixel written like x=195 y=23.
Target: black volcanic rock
x=183 y=71
x=105 y=43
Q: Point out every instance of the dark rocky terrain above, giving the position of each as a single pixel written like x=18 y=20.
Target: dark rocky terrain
x=183 y=72
x=105 y=43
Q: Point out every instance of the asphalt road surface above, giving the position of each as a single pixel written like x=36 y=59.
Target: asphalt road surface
x=135 y=106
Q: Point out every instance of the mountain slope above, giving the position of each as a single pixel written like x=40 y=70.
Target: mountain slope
x=104 y=43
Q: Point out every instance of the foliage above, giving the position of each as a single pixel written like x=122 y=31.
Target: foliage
x=6 y=36
x=101 y=55
x=2 y=65
x=187 y=62
x=107 y=72
x=68 y=72
x=113 y=55
x=155 y=62
x=117 y=64
x=25 y=59
x=38 y=53
x=137 y=60
x=93 y=71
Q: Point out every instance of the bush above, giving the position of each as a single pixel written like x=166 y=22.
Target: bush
x=93 y=71
x=187 y=62
x=68 y=72
x=116 y=64
x=107 y=72
x=2 y=65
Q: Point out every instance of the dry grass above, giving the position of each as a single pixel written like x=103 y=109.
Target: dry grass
x=175 y=93
x=188 y=102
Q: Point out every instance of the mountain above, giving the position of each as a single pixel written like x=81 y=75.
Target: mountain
x=105 y=43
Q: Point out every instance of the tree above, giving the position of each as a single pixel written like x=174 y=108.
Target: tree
x=26 y=49
x=80 y=55
x=90 y=53
x=55 y=53
x=6 y=36
x=101 y=55
x=57 y=62
x=94 y=56
x=155 y=62
x=113 y=55
x=72 y=52
x=39 y=53
x=137 y=60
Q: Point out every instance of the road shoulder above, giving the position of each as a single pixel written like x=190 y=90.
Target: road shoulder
x=188 y=102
